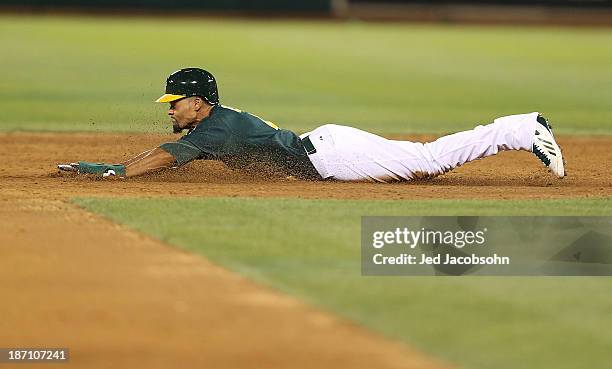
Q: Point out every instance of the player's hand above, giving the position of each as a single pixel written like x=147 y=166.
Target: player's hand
x=99 y=169
x=112 y=173
x=72 y=167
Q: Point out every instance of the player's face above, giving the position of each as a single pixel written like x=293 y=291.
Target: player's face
x=183 y=113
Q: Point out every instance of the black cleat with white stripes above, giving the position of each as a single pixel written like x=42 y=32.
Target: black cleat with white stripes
x=546 y=148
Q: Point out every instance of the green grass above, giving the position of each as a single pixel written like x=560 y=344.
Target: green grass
x=311 y=249
x=102 y=74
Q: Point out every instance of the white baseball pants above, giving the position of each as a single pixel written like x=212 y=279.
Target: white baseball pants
x=349 y=154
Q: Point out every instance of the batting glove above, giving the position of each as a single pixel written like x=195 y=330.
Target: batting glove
x=99 y=169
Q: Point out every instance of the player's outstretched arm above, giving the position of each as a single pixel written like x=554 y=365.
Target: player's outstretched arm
x=146 y=162
x=149 y=161
x=137 y=157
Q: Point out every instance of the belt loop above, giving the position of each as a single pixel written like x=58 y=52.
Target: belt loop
x=308 y=146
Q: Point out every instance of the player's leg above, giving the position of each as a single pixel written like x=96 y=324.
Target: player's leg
x=349 y=154
x=529 y=132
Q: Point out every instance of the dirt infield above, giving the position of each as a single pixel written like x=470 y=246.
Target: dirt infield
x=30 y=170
x=121 y=300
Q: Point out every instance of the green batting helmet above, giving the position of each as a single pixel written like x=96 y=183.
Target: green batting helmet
x=191 y=82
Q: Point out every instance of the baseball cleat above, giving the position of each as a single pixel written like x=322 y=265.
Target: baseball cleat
x=546 y=149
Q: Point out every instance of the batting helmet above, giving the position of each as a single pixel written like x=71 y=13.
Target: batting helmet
x=191 y=82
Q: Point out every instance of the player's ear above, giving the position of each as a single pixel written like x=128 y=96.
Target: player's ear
x=198 y=103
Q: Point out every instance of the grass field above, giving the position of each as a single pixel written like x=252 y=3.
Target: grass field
x=79 y=73
x=310 y=249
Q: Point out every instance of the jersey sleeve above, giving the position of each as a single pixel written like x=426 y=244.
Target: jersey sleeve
x=204 y=142
x=183 y=151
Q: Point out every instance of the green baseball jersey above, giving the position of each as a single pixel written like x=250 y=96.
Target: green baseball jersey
x=240 y=139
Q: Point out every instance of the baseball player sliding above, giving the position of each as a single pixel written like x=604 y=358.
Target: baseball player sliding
x=239 y=139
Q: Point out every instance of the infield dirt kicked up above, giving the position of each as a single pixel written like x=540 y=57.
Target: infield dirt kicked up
x=120 y=299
